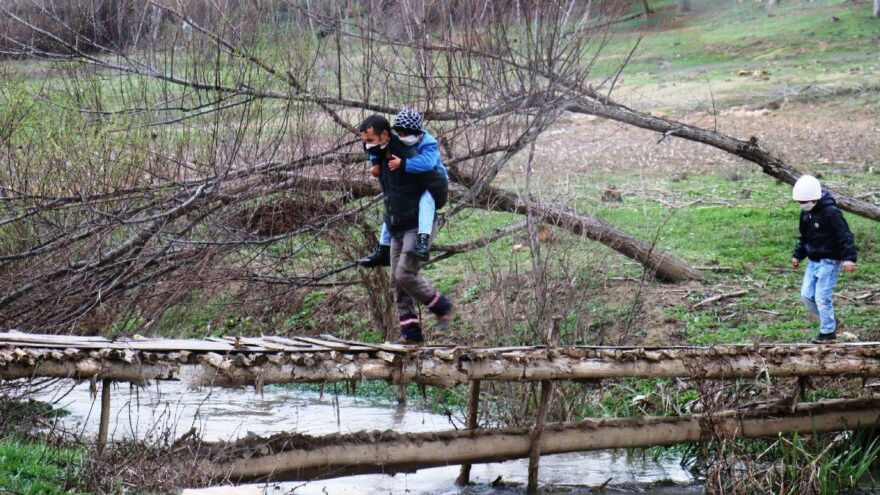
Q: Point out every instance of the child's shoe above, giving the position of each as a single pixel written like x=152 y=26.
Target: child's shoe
x=380 y=257
x=825 y=338
x=422 y=249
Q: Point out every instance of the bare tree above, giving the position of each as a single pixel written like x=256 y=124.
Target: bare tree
x=226 y=151
x=220 y=157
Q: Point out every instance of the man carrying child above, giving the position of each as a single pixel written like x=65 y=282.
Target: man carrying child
x=407 y=176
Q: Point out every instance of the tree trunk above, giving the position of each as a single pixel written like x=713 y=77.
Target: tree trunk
x=772 y=3
x=662 y=264
x=684 y=6
x=440 y=366
x=648 y=9
x=749 y=150
x=305 y=458
x=876 y=9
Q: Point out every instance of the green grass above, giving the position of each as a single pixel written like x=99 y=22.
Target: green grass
x=797 y=43
x=29 y=468
x=719 y=35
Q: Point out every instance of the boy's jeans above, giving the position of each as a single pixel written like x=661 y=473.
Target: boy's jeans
x=819 y=279
x=426 y=219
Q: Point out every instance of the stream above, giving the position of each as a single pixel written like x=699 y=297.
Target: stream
x=220 y=413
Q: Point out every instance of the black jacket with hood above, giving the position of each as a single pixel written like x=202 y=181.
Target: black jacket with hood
x=825 y=233
x=403 y=190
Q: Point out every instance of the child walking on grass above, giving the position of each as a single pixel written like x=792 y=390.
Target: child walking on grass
x=826 y=240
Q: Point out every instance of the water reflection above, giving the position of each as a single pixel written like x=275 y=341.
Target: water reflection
x=225 y=414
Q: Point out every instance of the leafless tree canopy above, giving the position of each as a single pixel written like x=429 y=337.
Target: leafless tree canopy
x=152 y=149
x=194 y=144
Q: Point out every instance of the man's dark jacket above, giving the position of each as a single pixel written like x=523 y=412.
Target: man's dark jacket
x=825 y=233
x=403 y=191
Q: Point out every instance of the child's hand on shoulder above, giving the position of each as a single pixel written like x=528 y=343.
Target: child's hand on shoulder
x=848 y=267
x=394 y=163
x=376 y=171
x=795 y=262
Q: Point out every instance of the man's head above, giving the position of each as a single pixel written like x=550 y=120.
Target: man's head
x=408 y=126
x=375 y=131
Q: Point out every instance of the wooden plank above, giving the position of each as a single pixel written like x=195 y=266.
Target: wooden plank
x=502 y=350
x=336 y=346
x=248 y=344
x=263 y=343
x=296 y=345
x=166 y=345
x=60 y=345
x=48 y=339
x=366 y=346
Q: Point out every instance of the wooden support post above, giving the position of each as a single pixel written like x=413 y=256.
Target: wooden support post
x=104 y=426
x=541 y=420
x=401 y=393
x=535 y=451
x=464 y=476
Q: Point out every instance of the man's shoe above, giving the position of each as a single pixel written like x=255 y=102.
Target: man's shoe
x=380 y=257
x=422 y=248
x=445 y=319
x=825 y=338
x=410 y=340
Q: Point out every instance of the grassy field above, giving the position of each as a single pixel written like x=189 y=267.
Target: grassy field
x=29 y=468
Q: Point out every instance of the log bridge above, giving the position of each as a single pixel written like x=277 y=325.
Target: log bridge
x=240 y=362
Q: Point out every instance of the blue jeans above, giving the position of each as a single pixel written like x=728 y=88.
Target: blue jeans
x=427 y=211
x=819 y=279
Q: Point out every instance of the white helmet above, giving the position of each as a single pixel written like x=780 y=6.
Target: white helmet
x=807 y=188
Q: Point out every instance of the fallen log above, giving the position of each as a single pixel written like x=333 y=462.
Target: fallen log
x=445 y=366
x=748 y=150
x=298 y=457
x=662 y=264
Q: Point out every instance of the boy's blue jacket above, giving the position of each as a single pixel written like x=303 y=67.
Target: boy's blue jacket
x=427 y=157
x=825 y=233
x=402 y=190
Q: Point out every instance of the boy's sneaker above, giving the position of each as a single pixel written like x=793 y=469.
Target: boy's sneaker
x=825 y=338
x=380 y=257
x=422 y=249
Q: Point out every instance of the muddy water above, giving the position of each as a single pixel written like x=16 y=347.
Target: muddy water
x=224 y=414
